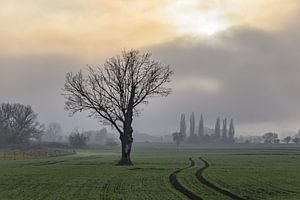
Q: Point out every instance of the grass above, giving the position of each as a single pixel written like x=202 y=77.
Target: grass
x=189 y=180
x=260 y=174
x=257 y=173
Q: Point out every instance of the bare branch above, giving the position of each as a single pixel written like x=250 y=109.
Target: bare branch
x=113 y=92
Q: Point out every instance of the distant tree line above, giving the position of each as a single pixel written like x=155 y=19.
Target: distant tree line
x=272 y=138
x=19 y=125
x=53 y=133
x=222 y=134
x=80 y=139
x=269 y=138
x=200 y=135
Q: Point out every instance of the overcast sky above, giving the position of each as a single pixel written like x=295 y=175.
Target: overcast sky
x=231 y=58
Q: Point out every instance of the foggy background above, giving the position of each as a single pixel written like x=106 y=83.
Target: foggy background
x=245 y=73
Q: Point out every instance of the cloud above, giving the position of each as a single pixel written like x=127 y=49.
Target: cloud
x=199 y=84
x=87 y=28
x=81 y=28
x=248 y=72
x=258 y=72
x=38 y=81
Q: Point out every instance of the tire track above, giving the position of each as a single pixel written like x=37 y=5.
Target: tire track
x=203 y=180
x=173 y=180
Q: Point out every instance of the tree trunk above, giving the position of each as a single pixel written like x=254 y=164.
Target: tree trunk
x=126 y=136
x=126 y=141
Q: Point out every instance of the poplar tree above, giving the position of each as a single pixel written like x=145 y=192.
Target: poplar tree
x=218 y=128
x=231 y=131
x=224 y=130
x=192 y=126
x=182 y=125
x=201 y=127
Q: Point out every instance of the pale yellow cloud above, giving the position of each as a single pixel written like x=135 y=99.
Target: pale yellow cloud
x=207 y=17
x=199 y=84
x=79 y=26
x=93 y=27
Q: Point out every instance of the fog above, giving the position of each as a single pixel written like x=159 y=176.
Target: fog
x=243 y=73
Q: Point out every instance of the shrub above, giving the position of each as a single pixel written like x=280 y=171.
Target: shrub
x=77 y=139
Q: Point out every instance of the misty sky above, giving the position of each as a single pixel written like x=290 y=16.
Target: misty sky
x=231 y=58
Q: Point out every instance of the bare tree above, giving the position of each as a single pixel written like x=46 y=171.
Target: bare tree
x=53 y=132
x=178 y=137
x=270 y=137
x=298 y=134
x=78 y=139
x=296 y=140
x=112 y=93
x=287 y=139
x=18 y=123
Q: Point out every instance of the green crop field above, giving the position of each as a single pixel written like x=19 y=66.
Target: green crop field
x=251 y=173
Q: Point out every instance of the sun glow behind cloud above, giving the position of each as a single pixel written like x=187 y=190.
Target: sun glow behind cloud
x=192 y=21
x=205 y=18
x=92 y=27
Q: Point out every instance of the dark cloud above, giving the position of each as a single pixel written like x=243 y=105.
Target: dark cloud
x=247 y=74
x=258 y=71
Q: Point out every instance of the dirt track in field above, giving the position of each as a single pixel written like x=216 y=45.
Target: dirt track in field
x=173 y=180
x=203 y=180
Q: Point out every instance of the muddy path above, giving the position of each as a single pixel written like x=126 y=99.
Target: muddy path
x=203 y=180
x=173 y=180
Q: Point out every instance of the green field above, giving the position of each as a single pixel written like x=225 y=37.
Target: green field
x=252 y=173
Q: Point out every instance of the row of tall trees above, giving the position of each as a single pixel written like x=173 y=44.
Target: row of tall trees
x=203 y=135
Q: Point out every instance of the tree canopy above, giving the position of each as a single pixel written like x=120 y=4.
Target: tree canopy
x=113 y=92
x=18 y=123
